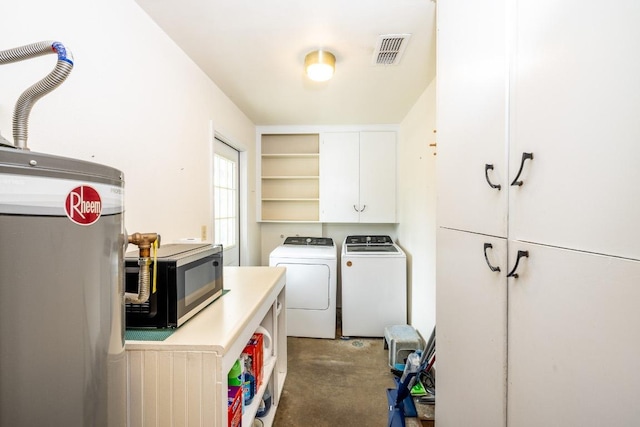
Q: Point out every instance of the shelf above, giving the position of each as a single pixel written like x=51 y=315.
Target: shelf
x=251 y=409
x=290 y=221
x=290 y=199
x=291 y=177
x=291 y=210
x=291 y=166
x=290 y=144
x=291 y=156
x=290 y=189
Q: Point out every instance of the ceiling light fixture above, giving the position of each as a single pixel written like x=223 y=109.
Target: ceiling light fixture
x=319 y=65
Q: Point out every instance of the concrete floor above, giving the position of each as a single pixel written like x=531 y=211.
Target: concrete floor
x=335 y=383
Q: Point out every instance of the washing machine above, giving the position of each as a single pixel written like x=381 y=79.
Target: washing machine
x=311 y=282
x=374 y=285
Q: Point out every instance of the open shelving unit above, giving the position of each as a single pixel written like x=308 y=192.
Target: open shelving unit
x=290 y=174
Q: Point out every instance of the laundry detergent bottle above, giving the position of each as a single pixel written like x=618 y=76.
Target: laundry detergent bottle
x=249 y=383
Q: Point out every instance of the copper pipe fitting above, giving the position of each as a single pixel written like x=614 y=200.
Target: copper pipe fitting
x=144 y=242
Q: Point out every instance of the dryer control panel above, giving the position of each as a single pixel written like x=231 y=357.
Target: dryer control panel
x=309 y=241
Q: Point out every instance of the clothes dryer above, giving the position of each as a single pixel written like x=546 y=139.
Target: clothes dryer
x=374 y=285
x=311 y=282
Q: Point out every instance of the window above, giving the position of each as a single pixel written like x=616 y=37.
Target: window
x=225 y=201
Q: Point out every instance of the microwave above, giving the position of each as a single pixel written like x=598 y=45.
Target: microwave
x=188 y=277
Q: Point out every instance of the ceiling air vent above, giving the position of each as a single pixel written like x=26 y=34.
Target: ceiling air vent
x=389 y=49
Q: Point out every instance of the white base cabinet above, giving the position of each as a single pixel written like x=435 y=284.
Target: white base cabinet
x=472 y=330
x=574 y=339
x=555 y=346
x=182 y=381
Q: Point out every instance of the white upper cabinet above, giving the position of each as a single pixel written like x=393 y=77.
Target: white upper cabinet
x=339 y=177
x=544 y=93
x=575 y=99
x=472 y=117
x=378 y=177
x=358 y=177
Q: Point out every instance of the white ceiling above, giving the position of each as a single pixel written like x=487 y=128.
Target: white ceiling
x=254 y=51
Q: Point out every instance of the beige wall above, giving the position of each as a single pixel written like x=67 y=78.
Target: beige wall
x=417 y=208
x=134 y=101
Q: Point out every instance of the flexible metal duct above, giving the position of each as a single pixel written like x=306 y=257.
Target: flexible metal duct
x=38 y=90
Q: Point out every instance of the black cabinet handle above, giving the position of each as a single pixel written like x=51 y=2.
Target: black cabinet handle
x=489 y=246
x=487 y=168
x=515 y=267
x=356 y=209
x=525 y=156
x=363 y=208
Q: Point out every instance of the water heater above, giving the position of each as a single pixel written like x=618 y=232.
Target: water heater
x=62 y=241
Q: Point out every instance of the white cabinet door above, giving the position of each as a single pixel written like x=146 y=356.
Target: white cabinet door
x=471 y=319
x=472 y=116
x=358 y=177
x=575 y=101
x=377 y=177
x=339 y=176
x=574 y=340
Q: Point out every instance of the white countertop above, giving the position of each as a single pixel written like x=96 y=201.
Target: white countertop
x=217 y=327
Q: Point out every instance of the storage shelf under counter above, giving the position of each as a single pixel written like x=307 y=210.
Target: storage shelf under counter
x=182 y=380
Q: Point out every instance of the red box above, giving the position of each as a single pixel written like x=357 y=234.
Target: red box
x=255 y=351
x=234 y=406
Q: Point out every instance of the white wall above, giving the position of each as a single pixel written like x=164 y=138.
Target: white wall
x=134 y=101
x=417 y=208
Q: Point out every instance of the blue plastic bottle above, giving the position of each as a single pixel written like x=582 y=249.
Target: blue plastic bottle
x=412 y=365
x=249 y=383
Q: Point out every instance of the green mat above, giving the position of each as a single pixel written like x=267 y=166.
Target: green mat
x=147 y=334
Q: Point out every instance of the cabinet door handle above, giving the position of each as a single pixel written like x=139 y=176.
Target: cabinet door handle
x=515 y=267
x=525 y=156
x=487 y=168
x=363 y=208
x=355 y=209
x=491 y=267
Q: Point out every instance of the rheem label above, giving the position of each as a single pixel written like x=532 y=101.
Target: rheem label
x=83 y=205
